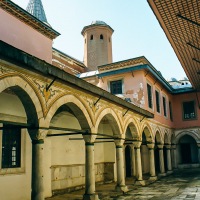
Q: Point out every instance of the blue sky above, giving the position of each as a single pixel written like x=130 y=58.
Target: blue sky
x=136 y=30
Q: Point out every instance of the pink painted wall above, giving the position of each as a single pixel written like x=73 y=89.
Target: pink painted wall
x=178 y=111
x=20 y=35
x=163 y=92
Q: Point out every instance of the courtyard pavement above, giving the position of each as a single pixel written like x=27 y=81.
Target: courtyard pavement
x=183 y=184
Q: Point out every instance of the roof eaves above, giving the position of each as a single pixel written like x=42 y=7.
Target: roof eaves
x=24 y=60
x=66 y=55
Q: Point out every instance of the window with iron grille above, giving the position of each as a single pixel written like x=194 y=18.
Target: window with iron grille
x=11 y=146
x=164 y=107
x=170 y=111
x=157 y=101
x=149 y=93
x=116 y=87
x=189 y=110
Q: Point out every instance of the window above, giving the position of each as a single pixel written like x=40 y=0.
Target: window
x=189 y=110
x=116 y=87
x=149 y=91
x=11 y=147
x=101 y=37
x=91 y=37
x=170 y=111
x=164 y=107
x=157 y=101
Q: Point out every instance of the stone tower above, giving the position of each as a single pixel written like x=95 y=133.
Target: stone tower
x=97 y=44
x=36 y=9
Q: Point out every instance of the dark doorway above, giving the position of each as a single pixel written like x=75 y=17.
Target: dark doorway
x=128 y=161
x=186 y=153
x=165 y=157
x=157 y=160
x=188 y=150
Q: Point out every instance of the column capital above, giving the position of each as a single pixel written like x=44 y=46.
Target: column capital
x=119 y=142
x=168 y=146
x=90 y=138
x=38 y=135
x=160 y=146
x=137 y=144
x=173 y=146
x=150 y=145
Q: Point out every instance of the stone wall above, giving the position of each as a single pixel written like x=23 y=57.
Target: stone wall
x=72 y=177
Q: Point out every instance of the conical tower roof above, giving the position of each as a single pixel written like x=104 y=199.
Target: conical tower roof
x=36 y=9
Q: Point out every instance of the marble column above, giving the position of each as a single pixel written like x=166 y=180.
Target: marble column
x=37 y=176
x=169 y=160
x=152 y=162
x=120 y=166
x=161 y=159
x=174 y=156
x=133 y=160
x=90 y=193
x=138 y=163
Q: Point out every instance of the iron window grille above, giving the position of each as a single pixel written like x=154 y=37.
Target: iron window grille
x=11 y=146
x=116 y=87
x=189 y=110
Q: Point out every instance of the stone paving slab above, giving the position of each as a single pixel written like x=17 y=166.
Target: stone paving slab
x=183 y=184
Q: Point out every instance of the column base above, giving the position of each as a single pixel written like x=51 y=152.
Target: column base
x=140 y=182
x=169 y=172
x=162 y=174
x=153 y=178
x=121 y=188
x=90 y=197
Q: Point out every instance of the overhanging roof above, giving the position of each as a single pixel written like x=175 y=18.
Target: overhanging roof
x=180 y=20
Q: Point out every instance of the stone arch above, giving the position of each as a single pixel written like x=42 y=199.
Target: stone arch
x=187 y=147
x=194 y=135
x=75 y=106
x=113 y=120
x=167 y=138
x=146 y=129
x=27 y=95
x=158 y=136
x=132 y=125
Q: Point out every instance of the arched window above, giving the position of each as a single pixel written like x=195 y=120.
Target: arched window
x=101 y=37
x=91 y=37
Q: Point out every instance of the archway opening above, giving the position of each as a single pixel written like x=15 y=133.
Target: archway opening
x=105 y=150
x=128 y=161
x=188 y=150
x=131 y=135
x=17 y=112
x=67 y=148
x=146 y=138
x=156 y=152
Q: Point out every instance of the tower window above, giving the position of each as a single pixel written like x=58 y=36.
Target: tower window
x=91 y=37
x=101 y=37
